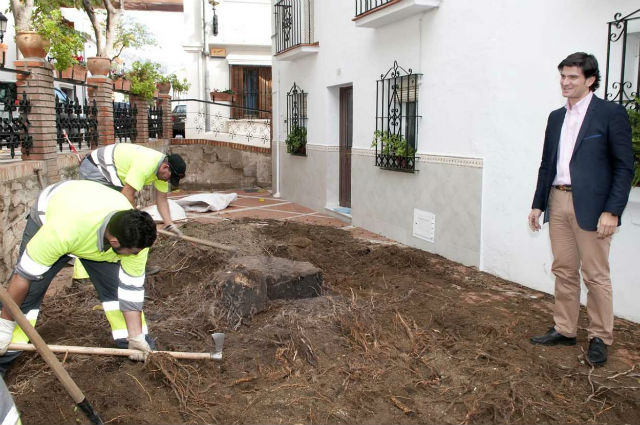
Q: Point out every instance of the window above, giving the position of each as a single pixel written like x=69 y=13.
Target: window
x=622 y=81
x=293 y=24
x=251 y=86
x=395 y=138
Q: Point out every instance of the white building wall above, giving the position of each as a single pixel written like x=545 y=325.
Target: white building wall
x=489 y=82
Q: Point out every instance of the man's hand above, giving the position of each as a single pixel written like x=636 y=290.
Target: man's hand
x=6 y=334
x=139 y=343
x=173 y=229
x=607 y=224
x=534 y=219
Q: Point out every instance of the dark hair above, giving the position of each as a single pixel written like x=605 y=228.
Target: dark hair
x=587 y=63
x=133 y=228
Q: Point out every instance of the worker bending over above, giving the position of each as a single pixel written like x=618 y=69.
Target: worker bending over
x=92 y=222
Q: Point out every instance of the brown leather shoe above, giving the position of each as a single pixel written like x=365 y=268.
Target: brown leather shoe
x=552 y=337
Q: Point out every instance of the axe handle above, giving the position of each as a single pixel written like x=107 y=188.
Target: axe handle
x=199 y=241
x=114 y=351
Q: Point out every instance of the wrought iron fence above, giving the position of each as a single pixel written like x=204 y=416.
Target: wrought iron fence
x=396 y=119
x=79 y=120
x=293 y=19
x=125 y=120
x=622 y=82
x=296 y=121
x=363 y=6
x=14 y=123
x=155 y=121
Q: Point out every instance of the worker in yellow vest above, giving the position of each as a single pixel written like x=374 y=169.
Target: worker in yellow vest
x=96 y=224
x=128 y=168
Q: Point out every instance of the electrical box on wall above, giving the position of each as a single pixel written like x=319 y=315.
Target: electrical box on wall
x=424 y=225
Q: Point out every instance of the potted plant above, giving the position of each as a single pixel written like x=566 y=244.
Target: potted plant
x=163 y=84
x=28 y=40
x=223 y=96
x=394 y=148
x=297 y=141
x=78 y=71
x=143 y=77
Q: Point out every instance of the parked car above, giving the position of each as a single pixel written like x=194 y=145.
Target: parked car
x=178 y=117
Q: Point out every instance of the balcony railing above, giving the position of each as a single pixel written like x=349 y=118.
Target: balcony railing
x=293 y=23
x=622 y=81
x=364 y=6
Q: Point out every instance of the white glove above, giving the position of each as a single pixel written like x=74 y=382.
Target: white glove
x=173 y=229
x=139 y=343
x=6 y=334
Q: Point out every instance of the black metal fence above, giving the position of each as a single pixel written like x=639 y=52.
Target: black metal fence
x=155 y=121
x=622 y=82
x=363 y=6
x=296 y=121
x=14 y=123
x=79 y=121
x=125 y=120
x=293 y=21
x=396 y=119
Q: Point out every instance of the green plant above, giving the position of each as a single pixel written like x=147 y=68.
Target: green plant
x=178 y=85
x=163 y=79
x=296 y=140
x=227 y=91
x=143 y=76
x=634 y=118
x=65 y=41
x=392 y=144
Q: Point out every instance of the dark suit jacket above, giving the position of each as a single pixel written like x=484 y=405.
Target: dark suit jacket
x=601 y=167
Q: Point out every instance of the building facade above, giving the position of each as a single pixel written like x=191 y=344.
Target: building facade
x=468 y=86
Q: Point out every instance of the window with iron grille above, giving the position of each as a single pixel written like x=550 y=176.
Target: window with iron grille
x=251 y=86
x=293 y=23
x=296 y=121
x=397 y=116
x=622 y=82
x=364 y=6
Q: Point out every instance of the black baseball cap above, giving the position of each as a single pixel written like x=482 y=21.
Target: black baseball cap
x=177 y=167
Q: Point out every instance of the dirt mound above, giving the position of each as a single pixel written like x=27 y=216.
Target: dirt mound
x=399 y=336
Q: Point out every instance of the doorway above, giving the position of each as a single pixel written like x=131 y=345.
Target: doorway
x=346 y=141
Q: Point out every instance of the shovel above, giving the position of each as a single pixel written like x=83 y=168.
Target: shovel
x=49 y=358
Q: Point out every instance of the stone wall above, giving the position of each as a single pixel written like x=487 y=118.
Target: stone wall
x=220 y=165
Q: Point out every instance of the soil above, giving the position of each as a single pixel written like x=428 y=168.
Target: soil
x=398 y=336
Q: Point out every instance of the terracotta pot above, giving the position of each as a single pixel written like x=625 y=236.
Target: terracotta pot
x=79 y=72
x=67 y=73
x=126 y=85
x=32 y=45
x=117 y=84
x=164 y=87
x=221 y=97
x=99 y=66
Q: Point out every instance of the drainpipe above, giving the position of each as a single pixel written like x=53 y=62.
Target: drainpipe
x=276 y=130
x=205 y=71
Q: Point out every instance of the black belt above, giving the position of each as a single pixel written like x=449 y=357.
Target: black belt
x=563 y=187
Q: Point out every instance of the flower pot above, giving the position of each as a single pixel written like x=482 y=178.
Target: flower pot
x=67 y=73
x=118 y=83
x=99 y=66
x=32 y=45
x=164 y=88
x=79 y=72
x=222 y=97
x=126 y=85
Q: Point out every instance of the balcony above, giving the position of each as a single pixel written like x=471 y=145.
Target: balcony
x=294 y=36
x=378 y=13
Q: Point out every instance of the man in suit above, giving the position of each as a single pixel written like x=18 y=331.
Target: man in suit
x=583 y=187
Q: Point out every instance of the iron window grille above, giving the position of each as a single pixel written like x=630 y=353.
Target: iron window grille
x=622 y=83
x=396 y=119
x=293 y=19
x=79 y=120
x=364 y=6
x=296 y=121
x=155 y=122
x=14 y=124
x=125 y=120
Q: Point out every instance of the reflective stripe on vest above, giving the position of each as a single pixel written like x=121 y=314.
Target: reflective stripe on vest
x=117 y=322
x=18 y=334
x=103 y=158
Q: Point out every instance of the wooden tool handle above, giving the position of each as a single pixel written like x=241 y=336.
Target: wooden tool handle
x=42 y=348
x=72 y=349
x=199 y=241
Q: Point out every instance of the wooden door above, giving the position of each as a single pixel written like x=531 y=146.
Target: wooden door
x=346 y=138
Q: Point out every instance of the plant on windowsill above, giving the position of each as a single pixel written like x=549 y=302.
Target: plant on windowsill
x=222 y=96
x=634 y=118
x=395 y=151
x=297 y=141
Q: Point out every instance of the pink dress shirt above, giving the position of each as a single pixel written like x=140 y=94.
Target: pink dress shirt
x=570 y=127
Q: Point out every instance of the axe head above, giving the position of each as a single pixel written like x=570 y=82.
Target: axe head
x=218 y=343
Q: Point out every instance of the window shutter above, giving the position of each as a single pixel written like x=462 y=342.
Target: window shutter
x=237 y=85
x=264 y=91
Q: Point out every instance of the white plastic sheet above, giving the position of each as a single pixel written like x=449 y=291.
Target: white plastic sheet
x=203 y=202
x=177 y=212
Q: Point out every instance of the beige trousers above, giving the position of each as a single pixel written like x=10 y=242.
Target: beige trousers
x=575 y=250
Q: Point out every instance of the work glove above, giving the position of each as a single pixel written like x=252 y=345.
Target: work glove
x=173 y=229
x=6 y=334
x=139 y=343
